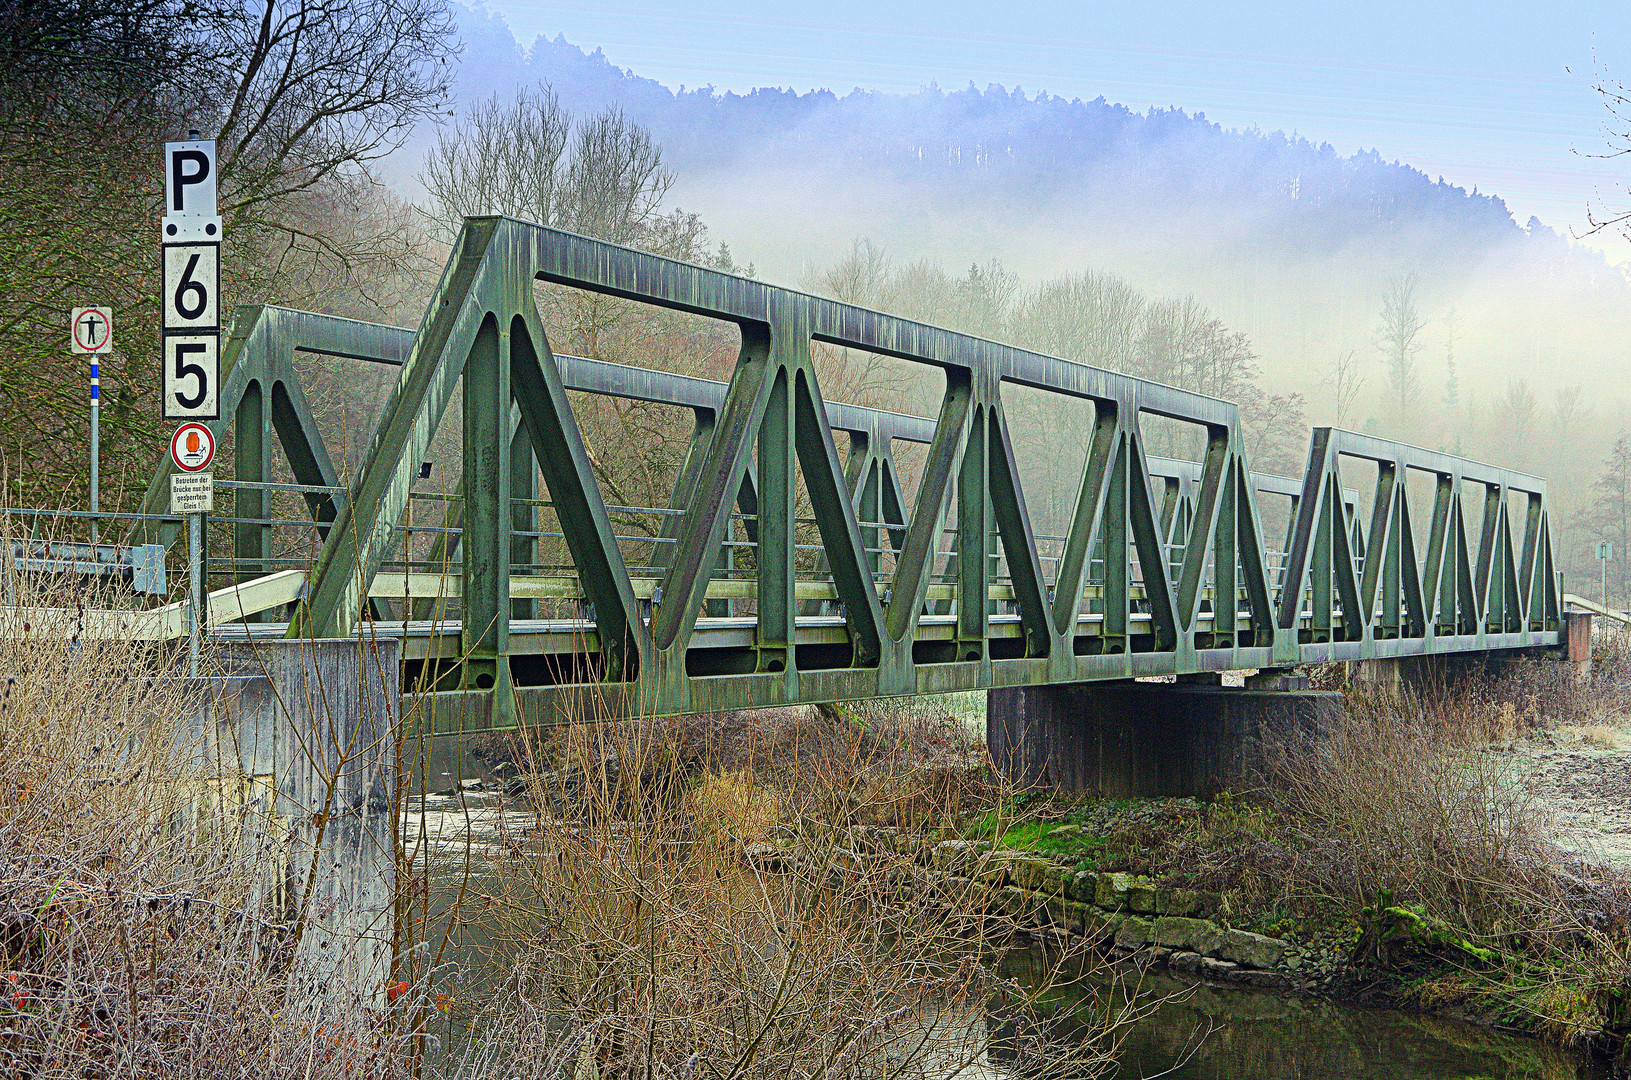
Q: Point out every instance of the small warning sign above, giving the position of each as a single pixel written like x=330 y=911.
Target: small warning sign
x=192 y=447
x=192 y=493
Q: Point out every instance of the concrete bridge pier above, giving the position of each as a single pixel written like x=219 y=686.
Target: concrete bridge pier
x=1129 y=739
x=303 y=739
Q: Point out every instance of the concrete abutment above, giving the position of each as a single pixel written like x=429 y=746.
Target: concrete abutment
x=1144 y=740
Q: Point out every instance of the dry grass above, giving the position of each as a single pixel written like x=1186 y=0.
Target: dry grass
x=747 y=920
x=1595 y=736
x=132 y=939
x=1411 y=824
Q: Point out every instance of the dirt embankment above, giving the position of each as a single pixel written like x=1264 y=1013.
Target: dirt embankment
x=1581 y=779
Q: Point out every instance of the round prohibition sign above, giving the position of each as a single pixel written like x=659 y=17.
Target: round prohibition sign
x=192 y=447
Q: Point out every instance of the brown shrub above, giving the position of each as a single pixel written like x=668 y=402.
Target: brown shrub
x=634 y=943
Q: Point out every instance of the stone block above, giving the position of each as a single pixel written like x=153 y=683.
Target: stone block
x=954 y=855
x=1176 y=902
x=1217 y=969
x=1187 y=962
x=1111 y=892
x=1248 y=949
x=1179 y=932
x=1141 y=898
x=1066 y=914
x=1133 y=932
x=1083 y=886
x=1039 y=875
x=1100 y=927
x=1014 y=903
x=991 y=868
x=1262 y=980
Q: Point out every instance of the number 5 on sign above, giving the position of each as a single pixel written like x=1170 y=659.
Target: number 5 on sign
x=192 y=284
x=192 y=368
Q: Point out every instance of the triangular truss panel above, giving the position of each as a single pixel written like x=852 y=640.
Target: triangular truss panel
x=264 y=408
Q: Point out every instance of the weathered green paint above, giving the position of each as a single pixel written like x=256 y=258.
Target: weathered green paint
x=1207 y=594
x=259 y=386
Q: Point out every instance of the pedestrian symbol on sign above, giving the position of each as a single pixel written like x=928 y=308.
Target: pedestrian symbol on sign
x=92 y=330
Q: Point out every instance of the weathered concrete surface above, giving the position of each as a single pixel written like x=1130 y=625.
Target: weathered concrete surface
x=1577 y=641
x=307 y=731
x=1141 y=740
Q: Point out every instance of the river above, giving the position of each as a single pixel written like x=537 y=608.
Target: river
x=1201 y=1031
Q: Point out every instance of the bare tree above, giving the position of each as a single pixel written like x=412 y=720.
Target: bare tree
x=1610 y=514
x=1617 y=101
x=864 y=277
x=1515 y=414
x=525 y=157
x=1089 y=317
x=310 y=88
x=1398 y=336
x=1346 y=382
x=301 y=96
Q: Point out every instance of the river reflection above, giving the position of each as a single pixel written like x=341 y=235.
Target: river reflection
x=1205 y=1031
x=1200 y=1032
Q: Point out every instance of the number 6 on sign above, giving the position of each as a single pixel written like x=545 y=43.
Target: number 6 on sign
x=192 y=282
x=192 y=366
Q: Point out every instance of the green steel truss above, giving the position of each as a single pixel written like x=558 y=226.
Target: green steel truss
x=901 y=600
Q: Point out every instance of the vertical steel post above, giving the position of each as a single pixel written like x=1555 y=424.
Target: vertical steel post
x=485 y=542
x=96 y=449
x=251 y=543
x=775 y=552
x=195 y=564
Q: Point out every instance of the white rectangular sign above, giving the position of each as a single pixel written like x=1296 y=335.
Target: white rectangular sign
x=192 y=493
x=192 y=376
x=190 y=214
x=192 y=286
x=90 y=331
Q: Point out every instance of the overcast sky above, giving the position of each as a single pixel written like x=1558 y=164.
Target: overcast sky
x=1497 y=95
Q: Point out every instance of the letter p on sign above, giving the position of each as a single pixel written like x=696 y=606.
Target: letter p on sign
x=189 y=193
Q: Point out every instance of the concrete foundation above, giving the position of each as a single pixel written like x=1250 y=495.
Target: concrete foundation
x=1140 y=740
x=303 y=739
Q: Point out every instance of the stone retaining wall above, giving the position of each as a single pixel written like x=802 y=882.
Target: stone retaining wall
x=1123 y=913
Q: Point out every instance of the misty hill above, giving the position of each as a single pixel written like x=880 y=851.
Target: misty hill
x=1285 y=237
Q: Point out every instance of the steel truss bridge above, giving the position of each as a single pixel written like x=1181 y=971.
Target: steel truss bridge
x=783 y=571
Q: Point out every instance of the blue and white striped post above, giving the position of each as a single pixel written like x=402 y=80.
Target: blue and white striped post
x=90 y=334
x=96 y=449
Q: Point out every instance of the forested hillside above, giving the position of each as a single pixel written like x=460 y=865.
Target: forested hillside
x=1287 y=238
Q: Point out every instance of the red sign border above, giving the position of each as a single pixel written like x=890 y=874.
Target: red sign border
x=175 y=439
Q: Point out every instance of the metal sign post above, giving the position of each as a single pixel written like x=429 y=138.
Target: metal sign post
x=1605 y=552
x=191 y=237
x=91 y=334
x=192 y=493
